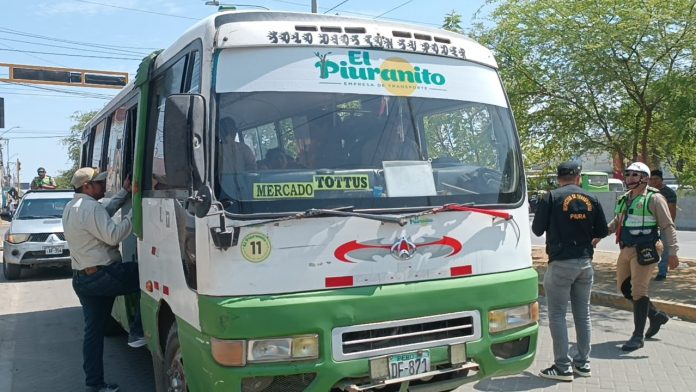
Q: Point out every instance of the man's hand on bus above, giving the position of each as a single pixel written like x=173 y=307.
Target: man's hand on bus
x=127 y=183
x=595 y=241
x=673 y=262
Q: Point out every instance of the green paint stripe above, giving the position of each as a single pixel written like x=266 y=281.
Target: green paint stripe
x=141 y=81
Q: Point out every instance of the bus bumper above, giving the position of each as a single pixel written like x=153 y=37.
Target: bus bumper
x=491 y=354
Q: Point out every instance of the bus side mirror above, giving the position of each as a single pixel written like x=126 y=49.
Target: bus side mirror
x=184 y=128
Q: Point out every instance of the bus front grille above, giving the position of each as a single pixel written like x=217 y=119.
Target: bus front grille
x=370 y=340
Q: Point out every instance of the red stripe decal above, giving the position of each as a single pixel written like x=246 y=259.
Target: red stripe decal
x=445 y=241
x=339 y=281
x=497 y=214
x=165 y=290
x=461 y=270
x=343 y=250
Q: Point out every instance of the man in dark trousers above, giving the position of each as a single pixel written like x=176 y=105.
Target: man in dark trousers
x=571 y=219
x=656 y=181
x=99 y=275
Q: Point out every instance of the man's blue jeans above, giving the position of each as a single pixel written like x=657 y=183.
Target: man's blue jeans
x=569 y=280
x=97 y=293
x=662 y=266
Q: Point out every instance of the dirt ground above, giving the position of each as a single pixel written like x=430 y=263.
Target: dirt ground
x=680 y=285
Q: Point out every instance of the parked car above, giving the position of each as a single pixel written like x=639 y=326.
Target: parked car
x=616 y=185
x=35 y=237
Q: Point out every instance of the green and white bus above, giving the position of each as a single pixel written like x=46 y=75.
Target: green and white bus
x=322 y=203
x=594 y=181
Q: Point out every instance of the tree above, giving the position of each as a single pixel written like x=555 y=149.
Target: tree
x=453 y=22
x=74 y=144
x=599 y=75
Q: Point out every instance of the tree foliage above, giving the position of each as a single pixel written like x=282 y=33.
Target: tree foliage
x=600 y=75
x=453 y=22
x=74 y=144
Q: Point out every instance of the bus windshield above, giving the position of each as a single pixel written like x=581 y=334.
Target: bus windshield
x=331 y=149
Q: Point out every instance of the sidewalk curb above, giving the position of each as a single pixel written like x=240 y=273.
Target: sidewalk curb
x=683 y=311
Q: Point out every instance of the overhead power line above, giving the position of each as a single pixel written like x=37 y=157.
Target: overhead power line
x=35 y=137
x=393 y=9
x=68 y=47
x=336 y=6
x=33 y=56
x=120 y=48
x=62 y=91
x=57 y=96
x=73 y=55
x=136 y=10
x=362 y=14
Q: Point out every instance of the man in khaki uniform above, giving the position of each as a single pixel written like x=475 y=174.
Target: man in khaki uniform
x=639 y=214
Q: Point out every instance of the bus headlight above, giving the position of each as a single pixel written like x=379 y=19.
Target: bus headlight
x=241 y=352
x=503 y=319
x=283 y=349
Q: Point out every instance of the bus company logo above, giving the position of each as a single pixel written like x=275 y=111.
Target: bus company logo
x=402 y=249
x=395 y=74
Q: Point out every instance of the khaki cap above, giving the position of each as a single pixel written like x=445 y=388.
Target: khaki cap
x=86 y=174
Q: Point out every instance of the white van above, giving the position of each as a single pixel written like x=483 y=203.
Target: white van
x=616 y=185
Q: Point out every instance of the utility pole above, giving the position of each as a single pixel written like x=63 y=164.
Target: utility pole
x=314 y=6
x=17 y=182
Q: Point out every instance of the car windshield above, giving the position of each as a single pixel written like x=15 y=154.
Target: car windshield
x=369 y=151
x=41 y=208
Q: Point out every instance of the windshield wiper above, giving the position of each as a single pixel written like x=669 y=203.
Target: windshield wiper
x=401 y=220
x=468 y=207
x=340 y=211
x=31 y=217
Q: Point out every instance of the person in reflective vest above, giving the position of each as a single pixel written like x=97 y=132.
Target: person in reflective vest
x=638 y=215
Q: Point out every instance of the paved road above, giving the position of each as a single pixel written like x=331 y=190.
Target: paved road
x=687 y=242
x=41 y=333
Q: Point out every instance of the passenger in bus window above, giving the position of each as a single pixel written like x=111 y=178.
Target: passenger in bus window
x=396 y=143
x=235 y=156
x=278 y=159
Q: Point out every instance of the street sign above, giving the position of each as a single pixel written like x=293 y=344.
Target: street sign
x=64 y=76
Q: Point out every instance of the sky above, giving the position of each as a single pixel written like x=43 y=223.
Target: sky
x=113 y=35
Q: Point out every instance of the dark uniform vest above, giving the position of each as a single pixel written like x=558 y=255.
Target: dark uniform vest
x=572 y=223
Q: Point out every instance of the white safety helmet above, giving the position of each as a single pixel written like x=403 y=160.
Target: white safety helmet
x=639 y=167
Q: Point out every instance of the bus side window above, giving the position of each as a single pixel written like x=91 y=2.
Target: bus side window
x=171 y=82
x=129 y=141
x=114 y=156
x=193 y=76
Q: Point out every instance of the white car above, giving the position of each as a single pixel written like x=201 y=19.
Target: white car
x=35 y=237
x=616 y=185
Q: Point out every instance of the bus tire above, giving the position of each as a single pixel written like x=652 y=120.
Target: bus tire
x=175 y=379
x=11 y=271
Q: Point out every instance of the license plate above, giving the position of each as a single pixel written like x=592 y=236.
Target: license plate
x=409 y=364
x=53 y=250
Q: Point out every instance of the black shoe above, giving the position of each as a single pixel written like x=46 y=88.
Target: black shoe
x=583 y=370
x=554 y=373
x=657 y=321
x=633 y=344
x=660 y=278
